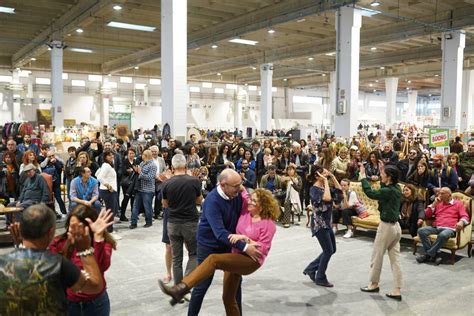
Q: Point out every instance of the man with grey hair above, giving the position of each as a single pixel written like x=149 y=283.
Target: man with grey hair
x=221 y=211
x=145 y=190
x=160 y=168
x=180 y=194
x=41 y=276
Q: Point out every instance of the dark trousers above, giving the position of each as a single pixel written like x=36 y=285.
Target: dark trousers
x=199 y=291
x=320 y=264
x=346 y=215
x=158 y=207
x=59 y=199
x=110 y=201
x=126 y=198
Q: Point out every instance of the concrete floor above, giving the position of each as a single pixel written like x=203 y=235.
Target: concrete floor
x=280 y=288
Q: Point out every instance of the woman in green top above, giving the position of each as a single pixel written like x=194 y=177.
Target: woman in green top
x=389 y=231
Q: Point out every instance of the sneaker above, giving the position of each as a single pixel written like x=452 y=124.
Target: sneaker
x=187 y=297
x=422 y=258
x=132 y=226
x=334 y=230
x=116 y=236
x=348 y=234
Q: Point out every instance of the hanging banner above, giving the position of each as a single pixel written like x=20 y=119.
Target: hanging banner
x=439 y=140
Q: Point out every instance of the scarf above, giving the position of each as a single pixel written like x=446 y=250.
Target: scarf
x=407 y=207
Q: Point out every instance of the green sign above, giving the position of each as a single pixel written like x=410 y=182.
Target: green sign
x=439 y=137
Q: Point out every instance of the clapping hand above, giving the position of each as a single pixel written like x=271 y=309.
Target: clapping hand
x=15 y=232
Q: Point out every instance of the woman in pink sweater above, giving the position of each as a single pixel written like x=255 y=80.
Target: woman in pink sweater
x=256 y=225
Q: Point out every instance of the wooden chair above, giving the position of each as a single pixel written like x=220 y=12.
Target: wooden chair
x=462 y=238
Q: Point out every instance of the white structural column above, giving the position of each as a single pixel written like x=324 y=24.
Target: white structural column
x=239 y=103
x=16 y=88
x=266 y=102
x=412 y=101
x=332 y=93
x=348 y=23
x=105 y=93
x=467 y=108
x=391 y=87
x=174 y=90
x=57 y=93
x=452 y=45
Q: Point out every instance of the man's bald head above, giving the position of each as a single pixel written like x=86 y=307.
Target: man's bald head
x=230 y=182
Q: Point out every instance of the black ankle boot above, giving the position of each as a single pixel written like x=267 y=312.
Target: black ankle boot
x=123 y=218
x=177 y=292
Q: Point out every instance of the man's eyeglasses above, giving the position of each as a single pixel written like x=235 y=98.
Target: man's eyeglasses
x=413 y=153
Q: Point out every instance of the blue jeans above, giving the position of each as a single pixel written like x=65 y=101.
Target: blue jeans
x=320 y=264
x=96 y=206
x=431 y=249
x=59 y=199
x=145 y=199
x=199 y=291
x=100 y=306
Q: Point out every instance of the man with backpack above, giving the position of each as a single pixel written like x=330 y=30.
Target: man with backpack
x=441 y=175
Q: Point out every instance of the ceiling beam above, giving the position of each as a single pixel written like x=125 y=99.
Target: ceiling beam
x=370 y=37
x=82 y=14
x=261 y=18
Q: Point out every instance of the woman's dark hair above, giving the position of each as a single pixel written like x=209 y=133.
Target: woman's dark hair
x=413 y=191
x=223 y=146
x=376 y=153
x=251 y=155
x=81 y=212
x=132 y=149
x=105 y=155
x=392 y=172
x=313 y=173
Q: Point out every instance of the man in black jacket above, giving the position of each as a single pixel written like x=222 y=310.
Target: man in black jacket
x=388 y=155
x=86 y=146
x=408 y=166
x=54 y=167
x=301 y=160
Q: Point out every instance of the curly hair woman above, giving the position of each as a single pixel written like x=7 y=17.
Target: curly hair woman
x=256 y=225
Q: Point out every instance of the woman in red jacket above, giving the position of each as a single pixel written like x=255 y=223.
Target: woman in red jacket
x=103 y=243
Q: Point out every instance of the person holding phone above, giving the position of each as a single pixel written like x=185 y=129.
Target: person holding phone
x=322 y=200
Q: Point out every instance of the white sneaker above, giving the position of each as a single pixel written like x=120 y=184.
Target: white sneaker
x=187 y=297
x=116 y=236
x=349 y=234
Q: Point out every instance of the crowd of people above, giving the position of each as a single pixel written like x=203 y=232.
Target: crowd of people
x=246 y=185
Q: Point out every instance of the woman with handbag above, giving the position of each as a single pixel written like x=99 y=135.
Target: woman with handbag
x=128 y=176
x=350 y=206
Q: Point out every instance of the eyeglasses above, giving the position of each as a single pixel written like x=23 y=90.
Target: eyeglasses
x=413 y=153
x=51 y=156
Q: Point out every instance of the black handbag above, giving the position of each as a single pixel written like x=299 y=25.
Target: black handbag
x=131 y=189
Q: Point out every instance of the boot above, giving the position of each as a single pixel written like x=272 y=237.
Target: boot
x=123 y=218
x=177 y=292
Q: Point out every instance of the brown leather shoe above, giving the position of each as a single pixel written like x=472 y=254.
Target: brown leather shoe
x=177 y=292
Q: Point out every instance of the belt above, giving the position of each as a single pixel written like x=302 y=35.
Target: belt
x=389 y=222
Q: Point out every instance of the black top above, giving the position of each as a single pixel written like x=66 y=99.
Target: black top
x=181 y=192
x=34 y=282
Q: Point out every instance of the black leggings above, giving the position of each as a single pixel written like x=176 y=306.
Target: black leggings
x=346 y=216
